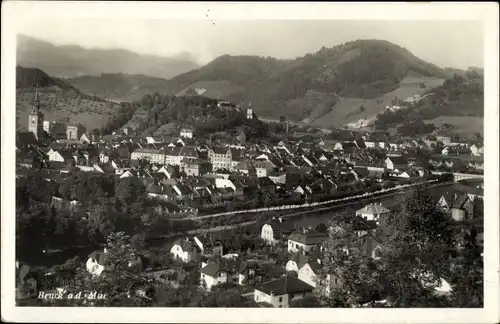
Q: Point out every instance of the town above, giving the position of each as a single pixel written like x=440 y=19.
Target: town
x=231 y=221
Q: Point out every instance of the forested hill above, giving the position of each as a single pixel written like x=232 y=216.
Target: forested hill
x=296 y=88
x=31 y=77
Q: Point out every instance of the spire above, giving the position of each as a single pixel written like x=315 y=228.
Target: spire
x=36 y=108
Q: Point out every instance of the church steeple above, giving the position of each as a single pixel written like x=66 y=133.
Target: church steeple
x=36 y=106
x=35 y=122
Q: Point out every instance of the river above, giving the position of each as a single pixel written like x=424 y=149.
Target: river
x=297 y=217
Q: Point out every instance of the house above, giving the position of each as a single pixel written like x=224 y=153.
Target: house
x=245 y=167
x=362 y=227
x=183 y=192
x=274 y=230
x=307 y=242
x=266 y=185
x=263 y=168
x=84 y=139
x=476 y=150
x=462 y=208
x=74 y=131
x=185 y=249
x=247 y=272
x=212 y=274
x=195 y=167
x=209 y=245
x=169 y=172
x=63 y=156
x=298 y=260
x=104 y=168
x=373 y=212
x=282 y=291
x=186 y=133
x=278 y=177
x=444 y=139
x=395 y=162
x=97 y=262
x=149 y=154
x=220 y=158
x=309 y=272
x=455 y=150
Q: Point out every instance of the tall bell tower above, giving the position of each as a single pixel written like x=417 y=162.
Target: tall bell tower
x=35 y=122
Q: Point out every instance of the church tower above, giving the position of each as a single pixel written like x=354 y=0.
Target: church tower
x=35 y=122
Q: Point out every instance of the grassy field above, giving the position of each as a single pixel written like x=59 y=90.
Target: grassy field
x=467 y=125
x=212 y=89
x=56 y=106
x=341 y=112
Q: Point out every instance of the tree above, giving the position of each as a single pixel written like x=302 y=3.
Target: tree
x=416 y=245
x=121 y=284
x=349 y=276
x=130 y=190
x=306 y=302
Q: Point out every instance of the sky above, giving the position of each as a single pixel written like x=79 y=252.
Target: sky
x=454 y=43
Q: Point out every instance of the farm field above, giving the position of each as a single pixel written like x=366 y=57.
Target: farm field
x=340 y=114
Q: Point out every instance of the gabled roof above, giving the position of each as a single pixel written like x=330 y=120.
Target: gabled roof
x=189 y=151
x=285 y=285
x=460 y=201
x=186 y=244
x=308 y=238
x=399 y=160
x=225 y=265
x=100 y=257
x=106 y=168
x=360 y=224
x=265 y=181
x=221 y=150
x=373 y=209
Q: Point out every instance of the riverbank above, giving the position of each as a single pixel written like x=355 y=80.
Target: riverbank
x=304 y=218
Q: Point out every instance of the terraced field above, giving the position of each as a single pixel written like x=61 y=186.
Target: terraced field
x=60 y=105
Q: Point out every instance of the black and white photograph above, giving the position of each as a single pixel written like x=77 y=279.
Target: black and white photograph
x=268 y=159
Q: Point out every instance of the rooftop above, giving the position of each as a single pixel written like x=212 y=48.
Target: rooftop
x=285 y=285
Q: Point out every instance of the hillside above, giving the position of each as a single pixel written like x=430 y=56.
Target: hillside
x=163 y=115
x=309 y=87
x=456 y=105
x=59 y=100
x=71 y=61
x=120 y=87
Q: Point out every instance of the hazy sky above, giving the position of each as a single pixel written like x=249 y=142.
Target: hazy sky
x=445 y=43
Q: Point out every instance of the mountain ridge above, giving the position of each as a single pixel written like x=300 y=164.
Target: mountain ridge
x=69 y=61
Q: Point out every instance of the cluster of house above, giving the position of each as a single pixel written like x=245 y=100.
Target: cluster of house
x=304 y=267
x=304 y=246
x=194 y=171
